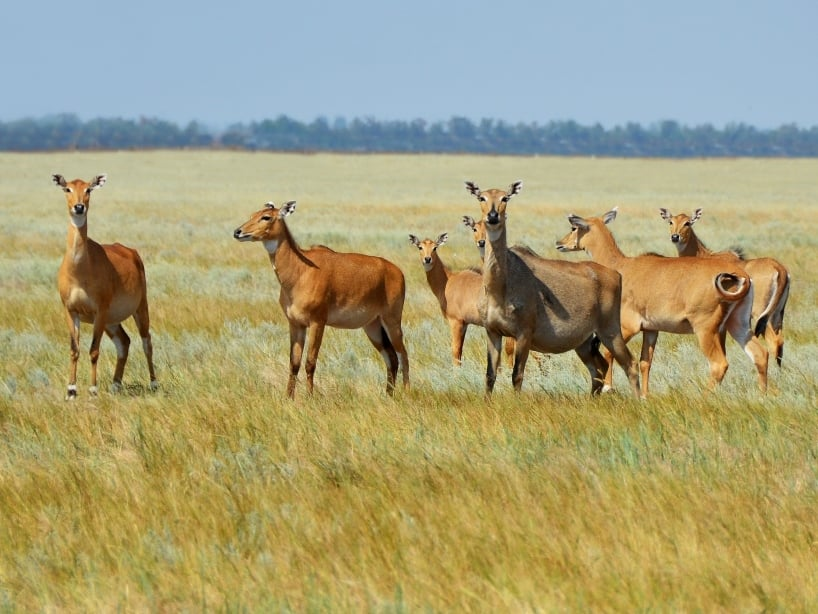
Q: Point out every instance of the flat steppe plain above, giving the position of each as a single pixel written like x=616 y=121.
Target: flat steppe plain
x=216 y=492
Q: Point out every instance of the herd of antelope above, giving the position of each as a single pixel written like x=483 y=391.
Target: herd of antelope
x=536 y=304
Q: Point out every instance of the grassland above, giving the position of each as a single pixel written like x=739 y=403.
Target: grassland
x=217 y=493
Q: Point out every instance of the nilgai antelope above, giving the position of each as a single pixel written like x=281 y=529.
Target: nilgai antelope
x=456 y=291
x=771 y=279
x=478 y=228
x=675 y=295
x=321 y=287
x=102 y=285
x=546 y=305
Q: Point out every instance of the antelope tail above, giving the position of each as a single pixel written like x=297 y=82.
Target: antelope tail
x=731 y=286
x=764 y=316
x=778 y=296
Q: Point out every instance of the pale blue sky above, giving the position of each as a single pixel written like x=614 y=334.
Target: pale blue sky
x=697 y=61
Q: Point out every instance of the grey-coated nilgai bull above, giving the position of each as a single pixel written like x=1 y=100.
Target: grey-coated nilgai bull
x=546 y=305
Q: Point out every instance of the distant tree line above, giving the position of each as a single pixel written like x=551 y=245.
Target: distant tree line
x=456 y=135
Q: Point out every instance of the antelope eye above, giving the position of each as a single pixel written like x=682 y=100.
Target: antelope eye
x=266 y=218
x=482 y=199
x=505 y=199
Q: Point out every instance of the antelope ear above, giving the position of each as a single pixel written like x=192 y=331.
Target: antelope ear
x=665 y=214
x=696 y=215
x=442 y=239
x=472 y=188
x=287 y=208
x=577 y=221
x=58 y=180
x=98 y=182
x=468 y=221
x=515 y=188
x=414 y=240
x=610 y=216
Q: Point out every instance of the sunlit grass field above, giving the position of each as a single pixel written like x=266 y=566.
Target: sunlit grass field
x=218 y=493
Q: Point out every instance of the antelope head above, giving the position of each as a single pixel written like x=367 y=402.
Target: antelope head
x=577 y=239
x=681 y=226
x=266 y=225
x=78 y=196
x=479 y=233
x=428 y=248
x=493 y=206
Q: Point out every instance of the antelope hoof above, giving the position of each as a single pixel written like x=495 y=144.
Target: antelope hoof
x=71 y=393
x=93 y=391
x=606 y=388
x=154 y=385
x=116 y=387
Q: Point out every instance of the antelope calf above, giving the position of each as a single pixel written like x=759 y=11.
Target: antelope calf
x=546 y=305
x=676 y=295
x=771 y=279
x=321 y=287
x=102 y=285
x=478 y=228
x=456 y=292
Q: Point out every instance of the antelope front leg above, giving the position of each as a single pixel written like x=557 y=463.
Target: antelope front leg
x=521 y=350
x=74 y=331
x=493 y=345
x=297 y=336
x=99 y=328
x=649 y=338
x=314 y=338
x=458 y=330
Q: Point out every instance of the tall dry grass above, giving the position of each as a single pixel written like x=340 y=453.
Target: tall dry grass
x=218 y=493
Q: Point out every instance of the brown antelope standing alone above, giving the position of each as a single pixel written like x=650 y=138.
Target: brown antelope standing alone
x=675 y=295
x=321 y=287
x=546 y=305
x=102 y=285
x=771 y=279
